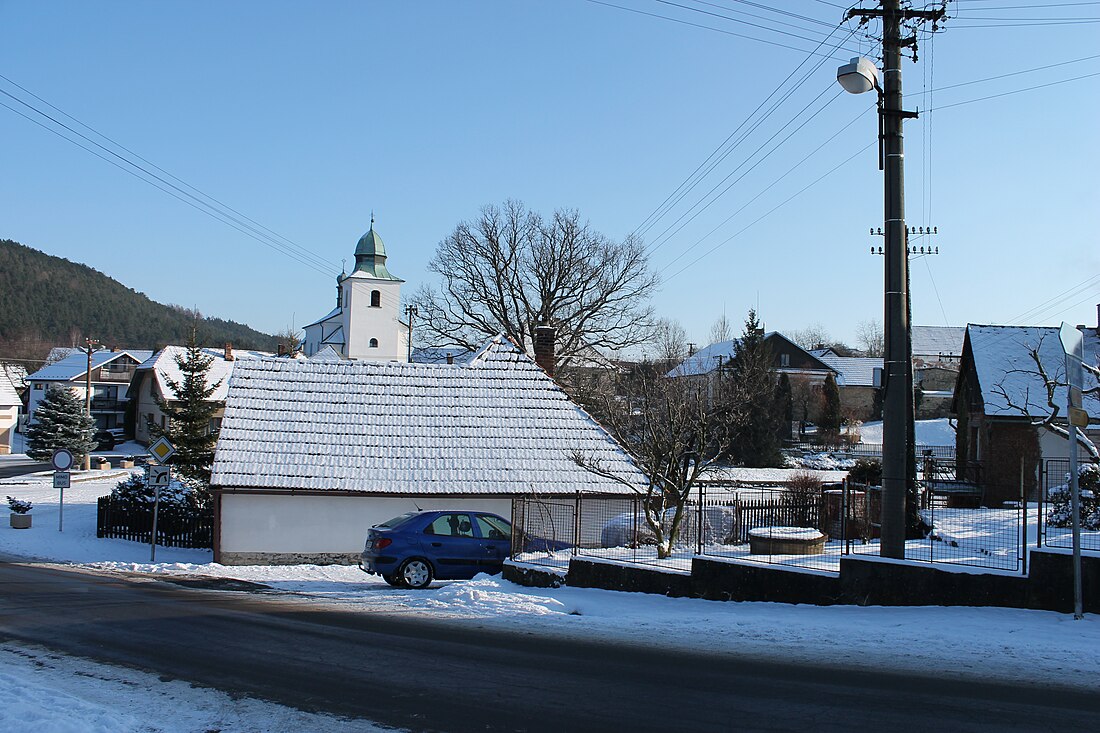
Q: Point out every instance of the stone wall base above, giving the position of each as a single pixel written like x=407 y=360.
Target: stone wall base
x=289 y=558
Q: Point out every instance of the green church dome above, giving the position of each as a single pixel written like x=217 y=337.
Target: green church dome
x=370 y=256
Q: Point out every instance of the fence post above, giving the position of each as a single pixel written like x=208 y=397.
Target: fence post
x=699 y=521
x=576 y=523
x=1043 y=471
x=844 y=515
x=1023 y=511
x=634 y=515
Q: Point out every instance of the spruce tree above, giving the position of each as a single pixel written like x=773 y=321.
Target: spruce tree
x=784 y=406
x=60 y=422
x=752 y=382
x=189 y=418
x=830 y=410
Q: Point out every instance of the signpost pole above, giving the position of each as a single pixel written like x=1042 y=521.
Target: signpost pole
x=61 y=510
x=153 y=536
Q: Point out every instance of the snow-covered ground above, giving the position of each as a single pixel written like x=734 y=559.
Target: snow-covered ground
x=47 y=692
x=928 y=432
x=987 y=643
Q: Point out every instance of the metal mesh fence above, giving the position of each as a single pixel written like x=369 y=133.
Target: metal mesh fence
x=774 y=525
x=1055 y=513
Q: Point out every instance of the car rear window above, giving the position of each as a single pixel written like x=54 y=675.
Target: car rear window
x=396 y=521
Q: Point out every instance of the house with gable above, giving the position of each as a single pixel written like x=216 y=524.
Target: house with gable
x=806 y=371
x=859 y=380
x=111 y=372
x=312 y=453
x=365 y=325
x=151 y=383
x=999 y=396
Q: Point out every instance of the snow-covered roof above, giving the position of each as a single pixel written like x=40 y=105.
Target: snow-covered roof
x=852 y=371
x=58 y=353
x=75 y=365
x=495 y=426
x=8 y=395
x=1005 y=367
x=716 y=355
x=438 y=355
x=332 y=314
x=938 y=340
x=164 y=366
x=17 y=373
x=326 y=354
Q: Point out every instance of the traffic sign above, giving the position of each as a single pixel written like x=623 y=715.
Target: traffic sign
x=62 y=459
x=158 y=476
x=162 y=450
x=61 y=479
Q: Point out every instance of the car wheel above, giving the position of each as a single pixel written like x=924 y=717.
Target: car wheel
x=415 y=573
x=395 y=580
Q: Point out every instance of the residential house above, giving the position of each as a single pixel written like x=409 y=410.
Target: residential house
x=859 y=380
x=365 y=324
x=937 y=353
x=312 y=453
x=111 y=371
x=151 y=383
x=10 y=405
x=806 y=371
x=1000 y=395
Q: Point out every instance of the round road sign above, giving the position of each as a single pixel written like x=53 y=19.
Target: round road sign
x=62 y=459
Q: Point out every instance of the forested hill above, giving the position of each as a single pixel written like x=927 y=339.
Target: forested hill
x=49 y=301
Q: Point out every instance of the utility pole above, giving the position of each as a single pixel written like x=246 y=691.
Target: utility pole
x=410 y=312
x=89 y=349
x=898 y=459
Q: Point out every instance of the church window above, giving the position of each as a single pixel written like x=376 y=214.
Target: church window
x=374 y=342
x=375 y=299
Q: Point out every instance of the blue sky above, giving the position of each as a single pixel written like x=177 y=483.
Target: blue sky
x=306 y=117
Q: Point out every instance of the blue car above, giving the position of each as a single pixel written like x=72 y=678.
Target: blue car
x=412 y=549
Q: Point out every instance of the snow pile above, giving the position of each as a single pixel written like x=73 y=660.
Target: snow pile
x=821 y=462
x=49 y=693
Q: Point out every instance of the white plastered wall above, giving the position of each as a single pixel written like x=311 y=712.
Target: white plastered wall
x=284 y=524
x=364 y=322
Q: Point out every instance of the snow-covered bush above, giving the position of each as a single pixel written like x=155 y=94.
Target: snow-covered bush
x=1061 y=511
x=866 y=471
x=178 y=499
x=18 y=506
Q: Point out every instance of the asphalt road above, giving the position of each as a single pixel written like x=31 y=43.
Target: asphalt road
x=19 y=467
x=457 y=676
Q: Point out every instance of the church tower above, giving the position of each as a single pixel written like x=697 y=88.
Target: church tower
x=365 y=324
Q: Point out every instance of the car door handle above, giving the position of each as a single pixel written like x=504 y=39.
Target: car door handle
x=437 y=544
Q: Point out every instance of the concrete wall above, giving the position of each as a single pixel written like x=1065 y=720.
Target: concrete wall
x=288 y=529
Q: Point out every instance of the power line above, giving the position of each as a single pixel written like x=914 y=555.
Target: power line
x=739 y=21
x=1016 y=73
x=1017 y=91
x=705 y=27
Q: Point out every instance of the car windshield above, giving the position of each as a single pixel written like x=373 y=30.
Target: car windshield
x=397 y=521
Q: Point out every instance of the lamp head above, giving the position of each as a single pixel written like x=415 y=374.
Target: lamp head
x=858 y=76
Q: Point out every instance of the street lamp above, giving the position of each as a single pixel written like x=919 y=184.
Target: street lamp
x=856 y=77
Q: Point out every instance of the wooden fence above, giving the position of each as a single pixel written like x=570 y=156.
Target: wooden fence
x=116 y=521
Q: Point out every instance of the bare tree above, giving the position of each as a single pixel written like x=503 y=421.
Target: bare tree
x=1051 y=381
x=674 y=429
x=669 y=342
x=870 y=338
x=721 y=330
x=813 y=336
x=512 y=269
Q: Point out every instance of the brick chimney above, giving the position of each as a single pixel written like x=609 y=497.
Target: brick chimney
x=228 y=351
x=450 y=358
x=546 y=338
x=282 y=350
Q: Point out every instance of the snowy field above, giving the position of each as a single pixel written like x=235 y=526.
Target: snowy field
x=995 y=644
x=46 y=692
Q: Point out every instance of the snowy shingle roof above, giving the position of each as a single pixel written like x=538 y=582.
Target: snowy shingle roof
x=164 y=366
x=1005 y=367
x=852 y=371
x=75 y=365
x=938 y=340
x=497 y=425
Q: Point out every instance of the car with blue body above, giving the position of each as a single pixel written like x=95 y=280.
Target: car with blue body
x=414 y=548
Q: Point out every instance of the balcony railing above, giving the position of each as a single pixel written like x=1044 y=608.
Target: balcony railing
x=105 y=376
x=106 y=404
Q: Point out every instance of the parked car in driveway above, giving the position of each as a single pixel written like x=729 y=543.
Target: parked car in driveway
x=413 y=549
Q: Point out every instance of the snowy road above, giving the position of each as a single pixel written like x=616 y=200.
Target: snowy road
x=466 y=675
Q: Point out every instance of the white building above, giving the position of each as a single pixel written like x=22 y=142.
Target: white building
x=10 y=404
x=111 y=371
x=312 y=453
x=365 y=325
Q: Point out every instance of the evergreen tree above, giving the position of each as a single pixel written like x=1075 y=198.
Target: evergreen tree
x=753 y=388
x=784 y=406
x=830 y=410
x=60 y=422
x=189 y=418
